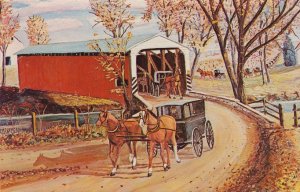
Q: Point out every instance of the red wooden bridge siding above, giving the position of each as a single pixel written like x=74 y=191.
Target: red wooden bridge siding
x=81 y=75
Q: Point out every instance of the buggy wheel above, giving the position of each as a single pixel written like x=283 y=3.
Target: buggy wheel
x=209 y=133
x=197 y=142
x=154 y=150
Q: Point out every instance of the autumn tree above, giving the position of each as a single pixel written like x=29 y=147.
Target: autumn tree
x=9 y=24
x=183 y=17
x=114 y=15
x=164 y=10
x=37 y=30
x=198 y=35
x=113 y=63
x=246 y=34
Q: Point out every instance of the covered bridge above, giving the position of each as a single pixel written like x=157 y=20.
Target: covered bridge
x=71 y=67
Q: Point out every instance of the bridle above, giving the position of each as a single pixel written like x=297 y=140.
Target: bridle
x=105 y=115
x=144 y=118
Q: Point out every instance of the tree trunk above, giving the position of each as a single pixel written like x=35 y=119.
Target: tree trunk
x=179 y=37
x=232 y=51
x=262 y=67
x=240 y=77
x=167 y=33
x=241 y=89
x=265 y=60
x=3 y=67
x=230 y=72
x=195 y=62
x=128 y=102
x=262 y=71
x=228 y=64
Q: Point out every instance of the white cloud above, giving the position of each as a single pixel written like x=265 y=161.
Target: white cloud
x=37 y=6
x=63 y=24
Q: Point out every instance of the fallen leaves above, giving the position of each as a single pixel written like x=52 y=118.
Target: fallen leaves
x=273 y=167
x=8 y=178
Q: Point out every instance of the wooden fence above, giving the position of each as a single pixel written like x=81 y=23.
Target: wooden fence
x=296 y=116
x=72 y=118
x=270 y=109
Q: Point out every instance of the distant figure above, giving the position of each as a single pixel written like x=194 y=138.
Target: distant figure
x=285 y=97
x=143 y=82
x=297 y=94
x=177 y=87
x=169 y=82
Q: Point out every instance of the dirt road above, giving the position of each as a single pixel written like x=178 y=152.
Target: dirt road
x=234 y=138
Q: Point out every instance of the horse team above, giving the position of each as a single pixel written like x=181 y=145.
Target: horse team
x=247 y=73
x=155 y=130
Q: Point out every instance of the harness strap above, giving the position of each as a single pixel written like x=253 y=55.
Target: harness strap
x=115 y=130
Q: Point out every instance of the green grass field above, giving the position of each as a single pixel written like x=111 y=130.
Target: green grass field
x=282 y=79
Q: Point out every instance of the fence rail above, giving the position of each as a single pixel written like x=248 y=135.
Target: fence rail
x=270 y=109
x=34 y=123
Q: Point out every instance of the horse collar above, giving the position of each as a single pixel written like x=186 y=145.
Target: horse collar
x=115 y=130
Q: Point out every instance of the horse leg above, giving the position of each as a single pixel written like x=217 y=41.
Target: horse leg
x=130 y=151
x=162 y=150
x=116 y=154
x=173 y=139
x=179 y=90
x=112 y=158
x=168 y=155
x=134 y=155
x=152 y=145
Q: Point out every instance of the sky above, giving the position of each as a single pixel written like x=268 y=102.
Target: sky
x=71 y=20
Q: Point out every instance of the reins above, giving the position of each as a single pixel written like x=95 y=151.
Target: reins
x=156 y=126
x=115 y=130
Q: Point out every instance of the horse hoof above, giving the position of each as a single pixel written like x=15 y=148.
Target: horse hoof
x=117 y=166
x=178 y=161
x=168 y=167
x=149 y=174
x=165 y=168
x=133 y=168
x=112 y=174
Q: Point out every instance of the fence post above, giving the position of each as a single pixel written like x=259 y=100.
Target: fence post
x=281 y=115
x=264 y=104
x=76 y=119
x=295 y=116
x=34 y=130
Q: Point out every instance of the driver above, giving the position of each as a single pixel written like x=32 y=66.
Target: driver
x=173 y=112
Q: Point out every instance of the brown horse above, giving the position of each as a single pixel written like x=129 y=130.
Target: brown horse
x=116 y=132
x=204 y=74
x=161 y=131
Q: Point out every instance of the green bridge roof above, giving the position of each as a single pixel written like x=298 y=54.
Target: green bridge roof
x=79 y=46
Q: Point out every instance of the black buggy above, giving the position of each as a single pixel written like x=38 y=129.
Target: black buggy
x=191 y=123
x=219 y=74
